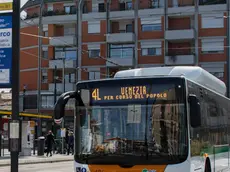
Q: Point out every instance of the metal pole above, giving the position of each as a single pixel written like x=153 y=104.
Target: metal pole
x=196 y=33
x=135 y=57
x=63 y=74
x=228 y=50
x=40 y=27
x=15 y=81
x=63 y=83
x=108 y=32
x=55 y=84
x=79 y=36
x=76 y=37
x=165 y=29
x=74 y=125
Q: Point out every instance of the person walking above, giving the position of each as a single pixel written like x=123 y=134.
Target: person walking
x=49 y=142
x=70 y=143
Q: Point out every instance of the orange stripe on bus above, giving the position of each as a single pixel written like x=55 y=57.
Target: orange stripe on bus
x=116 y=168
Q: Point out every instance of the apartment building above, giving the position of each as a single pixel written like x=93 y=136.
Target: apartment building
x=171 y=32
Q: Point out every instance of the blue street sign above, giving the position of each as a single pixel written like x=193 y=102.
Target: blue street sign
x=5 y=51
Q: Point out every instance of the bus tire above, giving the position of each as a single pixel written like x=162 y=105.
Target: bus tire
x=207 y=165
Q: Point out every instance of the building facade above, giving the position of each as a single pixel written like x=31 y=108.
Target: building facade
x=168 y=32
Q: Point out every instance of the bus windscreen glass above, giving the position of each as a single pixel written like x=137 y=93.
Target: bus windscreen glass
x=134 y=121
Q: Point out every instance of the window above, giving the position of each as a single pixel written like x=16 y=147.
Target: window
x=70 y=53
x=94 y=7
x=67 y=10
x=150 y=27
x=122 y=6
x=94 y=53
x=72 y=78
x=47 y=101
x=151 y=24
x=175 y=3
x=45 y=33
x=157 y=3
x=129 y=28
x=94 y=27
x=65 y=52
x=126 y=6
x=94 y=50
x=150 y=51
x=50 y=7
x=69 y=29
x=94 y=75
x=151 y=48
x=101 y=7
x=45 y=54
x=44 y=76
x=122 y=51
x=70 y=9
x=129 y=5
x=212 y=20
x=212 y=46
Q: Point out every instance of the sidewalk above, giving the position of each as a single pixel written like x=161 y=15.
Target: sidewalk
x=34 y=159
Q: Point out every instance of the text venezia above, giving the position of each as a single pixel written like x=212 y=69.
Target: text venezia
x=135 y=92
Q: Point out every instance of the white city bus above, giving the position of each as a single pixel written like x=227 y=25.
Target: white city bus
x=160 y=119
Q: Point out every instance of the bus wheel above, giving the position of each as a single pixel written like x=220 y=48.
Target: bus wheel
x=207 y=166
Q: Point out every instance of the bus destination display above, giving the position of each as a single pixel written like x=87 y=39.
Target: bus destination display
x=126 y=93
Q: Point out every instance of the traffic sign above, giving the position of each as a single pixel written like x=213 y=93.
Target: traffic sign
x=5 y=50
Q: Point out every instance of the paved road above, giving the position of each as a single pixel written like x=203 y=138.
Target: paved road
x=49 y=167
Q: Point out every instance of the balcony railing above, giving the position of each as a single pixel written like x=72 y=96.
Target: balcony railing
x=180 y=34
x=212 y=2
x=51 y=13
x=180 y=59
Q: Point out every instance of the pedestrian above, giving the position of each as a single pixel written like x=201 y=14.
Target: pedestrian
x=49 y=142
x=70 y=143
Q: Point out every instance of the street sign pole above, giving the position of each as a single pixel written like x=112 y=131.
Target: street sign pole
x=15 y=124
x=9 y=70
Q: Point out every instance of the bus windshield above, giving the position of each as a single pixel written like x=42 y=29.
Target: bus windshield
x=133 y=122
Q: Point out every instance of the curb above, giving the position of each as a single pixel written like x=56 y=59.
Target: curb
x=40 y=161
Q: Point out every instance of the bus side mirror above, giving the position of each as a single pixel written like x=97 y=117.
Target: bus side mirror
x=195 y=112
x=59 y=107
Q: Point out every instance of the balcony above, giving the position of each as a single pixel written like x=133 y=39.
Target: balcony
x=180 y=34
x=63 y=40
x=52 y=13
x=212 y=2
x=180 y=60
x=119 y=61
x=59 y=86
x=120 y=37
x=59 y=64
